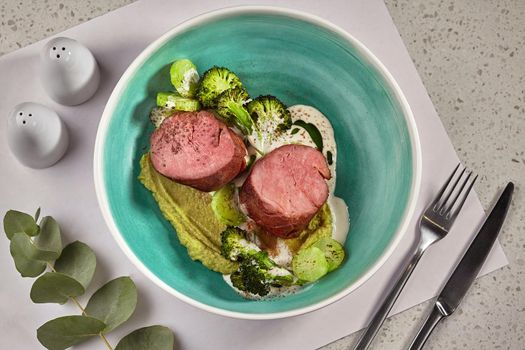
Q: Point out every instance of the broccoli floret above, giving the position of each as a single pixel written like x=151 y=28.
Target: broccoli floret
x=270 y=118
x=257 y=271
x=256 y=279
x=230 y=107
x=250 y=279
x=215 y=81
x=279 y=276
x=269 y=110
x=237 y=280
x=234 y=245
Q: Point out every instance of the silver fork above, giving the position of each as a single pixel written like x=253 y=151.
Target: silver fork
x=434 y=224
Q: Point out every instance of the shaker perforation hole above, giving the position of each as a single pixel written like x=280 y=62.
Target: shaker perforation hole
x=30 y=114
x=63 y=49
x=54 y=48
x=58 y=56
x=23 y=121
x=21 y=113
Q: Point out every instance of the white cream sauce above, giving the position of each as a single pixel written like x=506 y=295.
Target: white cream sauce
x=340 y=218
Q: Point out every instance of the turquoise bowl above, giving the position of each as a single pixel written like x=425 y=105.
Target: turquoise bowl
x=302 y=59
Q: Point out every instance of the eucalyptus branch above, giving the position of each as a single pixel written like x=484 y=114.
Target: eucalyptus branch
x=77 y=303
x=36 y=246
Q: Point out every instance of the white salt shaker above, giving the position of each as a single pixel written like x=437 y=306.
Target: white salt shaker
x=69 y=71
x=36 y=135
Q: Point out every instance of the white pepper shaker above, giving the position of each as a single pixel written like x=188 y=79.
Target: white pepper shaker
x=68 y=71
x=36 y=135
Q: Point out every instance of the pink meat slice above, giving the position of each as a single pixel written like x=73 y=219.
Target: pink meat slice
x=285 y=189
x=197 y=150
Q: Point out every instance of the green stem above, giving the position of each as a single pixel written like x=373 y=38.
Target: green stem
x=75 y=301
x=51 y=267
x=105 y=341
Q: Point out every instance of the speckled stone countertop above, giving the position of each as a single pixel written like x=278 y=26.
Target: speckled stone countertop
x=471 y=57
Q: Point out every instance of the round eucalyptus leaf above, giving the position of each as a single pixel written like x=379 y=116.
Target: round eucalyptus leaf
x=49 y=238
x=29 y=249
x=55 y=287
x=64 y=332
x=16 y=221
x=26 y=266
x=153 y=337
x=78 y=261
x=114 y=302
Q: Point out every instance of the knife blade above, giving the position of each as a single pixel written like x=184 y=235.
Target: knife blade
x=468 y=268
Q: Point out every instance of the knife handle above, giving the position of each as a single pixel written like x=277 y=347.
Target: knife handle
x=422 y=335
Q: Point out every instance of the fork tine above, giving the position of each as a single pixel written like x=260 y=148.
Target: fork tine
x=435 y=203
x=443 y=207
x=447 y=206
x=453 y=214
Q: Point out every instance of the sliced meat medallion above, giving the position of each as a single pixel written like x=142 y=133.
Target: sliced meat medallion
x=197 y=150
x=285 y=189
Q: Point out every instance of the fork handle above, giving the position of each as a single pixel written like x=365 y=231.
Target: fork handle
x=387 y=304
x=422 y=335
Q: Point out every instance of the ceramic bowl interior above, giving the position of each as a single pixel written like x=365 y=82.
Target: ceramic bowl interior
x=302 y=60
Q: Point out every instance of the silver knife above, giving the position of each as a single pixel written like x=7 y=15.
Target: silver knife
x=467 y=269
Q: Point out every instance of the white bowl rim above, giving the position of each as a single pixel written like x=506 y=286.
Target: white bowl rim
x=227 y=12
